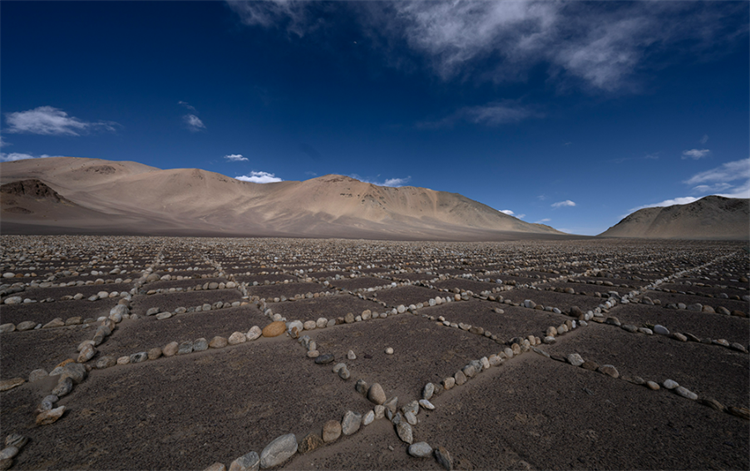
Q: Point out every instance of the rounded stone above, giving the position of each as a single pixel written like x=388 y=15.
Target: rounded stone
x=376 y=394
x=331 y=431
x=420 y=450
x=274 y=329
x=278 y=451
x=350 y=423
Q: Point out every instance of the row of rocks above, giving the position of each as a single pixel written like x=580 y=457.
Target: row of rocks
x=214 y=285
x=13 y=445
x=161 y=315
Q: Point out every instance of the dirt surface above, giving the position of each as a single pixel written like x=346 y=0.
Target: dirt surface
x=532 y=412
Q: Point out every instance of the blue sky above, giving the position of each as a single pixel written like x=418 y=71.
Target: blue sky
x=568 y=113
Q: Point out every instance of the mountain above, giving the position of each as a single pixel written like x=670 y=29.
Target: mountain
x=131 y=198
x=711 y=217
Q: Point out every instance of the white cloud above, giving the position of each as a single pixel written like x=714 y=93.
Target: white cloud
x=561 y=204
x=3 y=142
x=259 y=177
x=235 y=158
x=491 y=114
x=187 y=105
x=20 y=156
x=705 y=189
x=193 y=122
x=392 y=182
x=695 y=154
x=672 y=202
x=511 y=213
x=542 y=221
x=600 y=44
x=727 y=172
x=704 y=139
x=50 y=121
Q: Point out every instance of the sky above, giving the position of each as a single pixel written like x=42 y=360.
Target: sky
x=572 y=114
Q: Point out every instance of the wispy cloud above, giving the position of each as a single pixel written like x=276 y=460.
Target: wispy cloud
x=704 y=139
x=695 y=154
x=235 y=158
x=563 y=204
x=542 y=221
x=602 y=45
x=651 y=156
x=730 y=171
x=491 y=114
x=50 y=121
x=511 y=213
x=187 y=105
x=20 y=156
x=259 y=177
x=193 y=123
x=672 y=202
x=3 y=142
x=392 y=182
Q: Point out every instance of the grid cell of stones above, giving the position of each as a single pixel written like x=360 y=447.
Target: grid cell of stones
x=40 y=262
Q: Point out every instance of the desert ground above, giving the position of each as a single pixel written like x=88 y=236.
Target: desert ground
x=190 y=353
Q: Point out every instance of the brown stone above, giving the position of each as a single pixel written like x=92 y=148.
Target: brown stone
x=218 y=342
x=741 y=412
x=590 y=365
x=310 y=443
x=154 y=353
x=7 y=384
x=331 y=431
x=170 y=349
x=274 y=329
x=50 y=416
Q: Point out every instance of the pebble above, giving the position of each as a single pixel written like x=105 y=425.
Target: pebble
x=351 y=423
x=376 y=394
x=670 y=384
x=426 y=404
x=247 y=462
x=661 y=330
x=218 y=342
x=405 y=433
x=237 y=338
x=686 y=393
x=138 y=357
x=278 y=451
x=389 y=351
x=186 y=347
x=379 y=412
x=654 y=386
x=50 y=416
x=741 y=412
x=344 y=373
x=274 y=329
x=420 y=450
x=38 y=374
x=17 y=440
x=8 y=452
x=444 y=458
x=368 y=418
x=460 y=378
x=170 y=349
x=448 y=383
x=351 y=355
x=311 y=442
x=575 y=359
x=153 y=354
x=106 y=362
x=124 y=360
x=64 y=387
x=609 y=370
x=163 y=315
x=428 y=391
x=713 y=403
x=25 y=325
x=324 y=359
x=331 y=431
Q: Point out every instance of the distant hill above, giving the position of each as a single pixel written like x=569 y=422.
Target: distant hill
x=131 y=198
x=711 y=217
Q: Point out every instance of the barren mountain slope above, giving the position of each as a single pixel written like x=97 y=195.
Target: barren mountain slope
x=712 y=217
x=193 y=200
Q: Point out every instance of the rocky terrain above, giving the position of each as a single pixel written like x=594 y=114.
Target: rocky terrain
x=711 y=217
x=131 y=198
x=200 y=353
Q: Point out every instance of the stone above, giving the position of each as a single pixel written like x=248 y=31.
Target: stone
x=86 y=354
x=349 y=318
x=739 y=347
x=444 y=458
x=274 y=329
x=138 y=357
x=107 y=362
x=609 y=370
x=428 y=391
x=469 y=371
x=8 y=384
x=420 y=450
x=331 y=431
x=16 y=440
x=460 y=378
x=376 y=394
x=7 y=328
x=713 y=403
x=254 y=333
x=311 y=442
x=389 y=351
x=379 y=412
x=321 y=323
x=575 y=359
x=57 y=322
x=448 y=383
x=25 y=325
x=350 y=423
x=426 y=404
x=218 y=342
x=278 y=451
x=391 y=405
x=324 y=359
x=368 y=418
x=361 y=387
x=216 y=467
x=411 y=419
x=64 y=387
x=652 y=385
x=185 y=347
x=351 y=355
x=237 y=338
x=170 y=349
x=344 y=373
x=741 y=412
x=660 y=329
x=154 y=353
x=37 y=374
x=309 y=325
x=247 y=462
x=679 y=336
x=50 y=416
x=405 y=433
x=686 y=393
x=200 y=345
x=670 y=384
x=163 y=315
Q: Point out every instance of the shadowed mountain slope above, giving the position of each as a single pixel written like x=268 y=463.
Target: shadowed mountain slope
x=711 y=217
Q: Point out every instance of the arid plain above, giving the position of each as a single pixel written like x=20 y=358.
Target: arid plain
x=186 y=353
